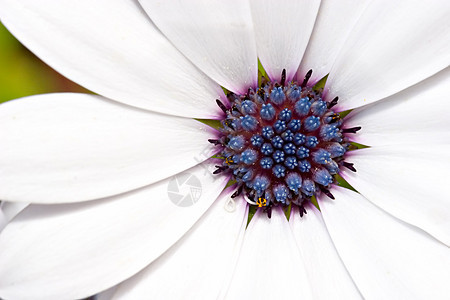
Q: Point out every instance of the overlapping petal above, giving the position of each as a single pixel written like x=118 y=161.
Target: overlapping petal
x=72 y=251
x=3 y=219
x=408 y=181
x=334 y=22
x=392 y=47
x=112 y=48
x=199 y=264
x=280 y=46
x=217 y=36
x=8 y=210
x=270 y=265
x=327 y=274
x=418 y=115
x=106 y=295
x=385 y=257
x=74 y=147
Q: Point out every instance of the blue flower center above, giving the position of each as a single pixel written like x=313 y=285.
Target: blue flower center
x=282 y=144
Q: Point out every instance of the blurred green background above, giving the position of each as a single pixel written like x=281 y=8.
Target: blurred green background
x=23 y=74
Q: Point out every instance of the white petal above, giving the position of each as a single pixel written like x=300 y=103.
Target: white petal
x=409 y=182
x=269 y=265
x=418 y=115
x=394 y=45
x=72 y=251
x=387 y=258
x=107 y=295
x=334 y=22
x=282 y=31
x=76 y=147
x=326 y=272
x=217 y=36
x=3 y=219
x=112 y=48
x=198 y=263
x=8 y=210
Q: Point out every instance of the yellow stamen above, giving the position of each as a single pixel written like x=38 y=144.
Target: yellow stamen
x=261 y=202
x=229 y=160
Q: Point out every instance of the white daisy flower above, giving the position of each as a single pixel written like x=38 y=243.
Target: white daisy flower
x=121 y=185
